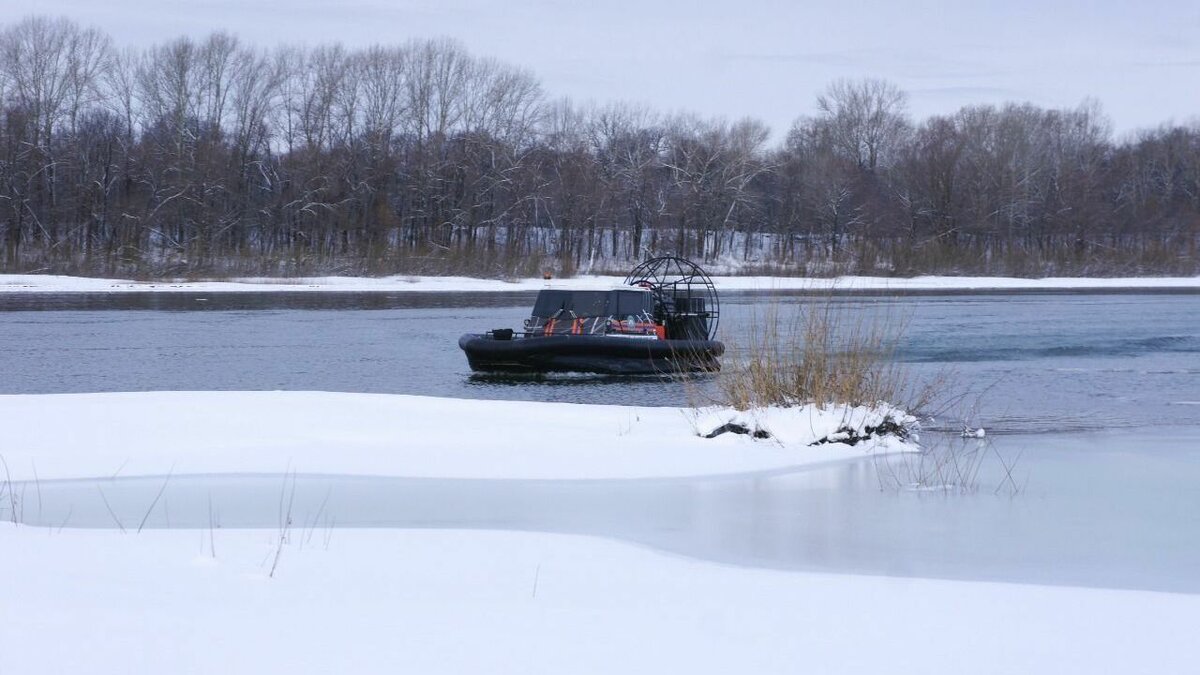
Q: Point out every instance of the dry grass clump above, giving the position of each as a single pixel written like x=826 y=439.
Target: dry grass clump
x=821 y=356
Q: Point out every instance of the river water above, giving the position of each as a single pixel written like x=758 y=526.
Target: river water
x=1036 y=362
x=1092 y=403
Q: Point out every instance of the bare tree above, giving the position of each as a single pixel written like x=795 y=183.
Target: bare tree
x=828 y=180
x=37 y=58
x=435 y=88
x=865 y=120
x=255 y=87
x=501 y=102
x=384 y=72
x=628 y=142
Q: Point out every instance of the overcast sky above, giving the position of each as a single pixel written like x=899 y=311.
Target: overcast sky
x=761 y=58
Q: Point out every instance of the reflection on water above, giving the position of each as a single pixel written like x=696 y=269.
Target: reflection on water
x=668 y=383
x=1112 y=510
x=565 y=379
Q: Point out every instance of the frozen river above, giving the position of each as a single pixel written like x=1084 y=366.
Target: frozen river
x=1095 y=397
x=1100 y=509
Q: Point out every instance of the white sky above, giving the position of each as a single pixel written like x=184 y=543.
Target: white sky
x=761 y=58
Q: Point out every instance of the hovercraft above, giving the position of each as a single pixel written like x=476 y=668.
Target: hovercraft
x=662 y=320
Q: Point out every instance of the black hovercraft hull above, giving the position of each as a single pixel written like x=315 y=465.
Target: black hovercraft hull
x=590 y=354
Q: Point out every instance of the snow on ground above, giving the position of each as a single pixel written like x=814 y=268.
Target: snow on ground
x=317 y=599
x=17 y=283
x=438 y=601
x=49 y=436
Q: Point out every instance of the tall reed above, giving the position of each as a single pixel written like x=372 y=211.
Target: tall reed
x=822 y=355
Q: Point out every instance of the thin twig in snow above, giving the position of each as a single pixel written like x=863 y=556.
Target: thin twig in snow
x=158 y=496
x=110 y=510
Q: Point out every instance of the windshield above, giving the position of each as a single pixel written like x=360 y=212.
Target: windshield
x=592 y=303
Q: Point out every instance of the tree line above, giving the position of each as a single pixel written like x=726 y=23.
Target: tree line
x=211 y=156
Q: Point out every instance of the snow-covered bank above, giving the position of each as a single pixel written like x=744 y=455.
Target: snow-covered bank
x=28 y=283
x=154 y=433
x=430 y=601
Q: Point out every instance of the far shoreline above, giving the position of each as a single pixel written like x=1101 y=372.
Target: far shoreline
x=15 y=284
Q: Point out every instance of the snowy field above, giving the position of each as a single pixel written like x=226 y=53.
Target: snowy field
x=435 y=601
x=318 y=598
x=63 y=284
x=155 y=433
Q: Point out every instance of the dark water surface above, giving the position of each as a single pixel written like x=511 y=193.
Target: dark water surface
x=1044 y=362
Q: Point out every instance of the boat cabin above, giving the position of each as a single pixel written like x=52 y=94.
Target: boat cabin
x=625 y=311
